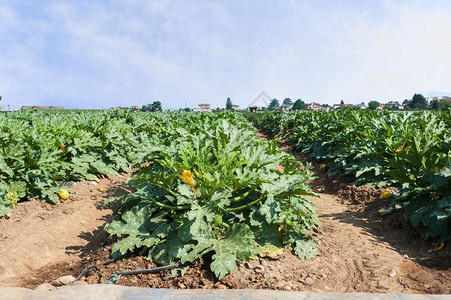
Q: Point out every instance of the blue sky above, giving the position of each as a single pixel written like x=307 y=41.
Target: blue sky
x=99 y=54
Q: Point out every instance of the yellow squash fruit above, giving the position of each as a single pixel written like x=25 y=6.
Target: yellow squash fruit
x=386 y=194
x=63 y=194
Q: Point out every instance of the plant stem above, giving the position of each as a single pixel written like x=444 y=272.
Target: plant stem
x=244 y=206
x=170 y=207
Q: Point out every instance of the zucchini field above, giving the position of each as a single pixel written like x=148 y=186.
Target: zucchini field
x=410 y=151
x=204 y=182
x=204 y=188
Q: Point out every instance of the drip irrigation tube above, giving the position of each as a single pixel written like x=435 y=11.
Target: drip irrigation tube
x=115 y=277
x=85 y=270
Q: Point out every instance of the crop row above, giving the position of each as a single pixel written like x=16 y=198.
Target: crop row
x=216 y=189
x=410 y=151
x=39 y=151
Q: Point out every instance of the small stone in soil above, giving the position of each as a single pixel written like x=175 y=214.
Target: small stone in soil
x=63 y=280
x=309 y=281
x=392 y=273
x=45 y=287
x=220 y=286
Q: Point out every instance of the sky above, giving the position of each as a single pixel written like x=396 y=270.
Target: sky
x=100 y=54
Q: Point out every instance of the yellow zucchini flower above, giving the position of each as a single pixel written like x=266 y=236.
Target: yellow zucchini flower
x=188 y=178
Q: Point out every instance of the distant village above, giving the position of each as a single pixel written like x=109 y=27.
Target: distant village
x=287 y=104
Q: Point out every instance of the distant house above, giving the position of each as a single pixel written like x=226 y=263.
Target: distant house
x=362 y=105
x=313 y=106
x=286 y=107
x=337 y=106
x=446 y=98
x=381 y=106
x=235 y=106
x=205 y=107
x=394 y=104
x=325 y=107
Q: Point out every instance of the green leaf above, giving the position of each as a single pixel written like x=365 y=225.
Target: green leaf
x=305 y=249
x=224 y=261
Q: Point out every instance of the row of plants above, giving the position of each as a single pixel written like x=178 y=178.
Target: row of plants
x=215 y=189
x=39 y=151
x=408 y=150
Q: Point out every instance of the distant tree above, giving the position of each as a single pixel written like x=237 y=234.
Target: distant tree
x=145 y=108
x=155 y=106
x=274 y=104
x=287 y=101
x=418 y=102
x=373 y=105
x=228 y=103
x=433 y=104
x=444 y=105
x=187 y=109
x=299 y=105
x=342 y=102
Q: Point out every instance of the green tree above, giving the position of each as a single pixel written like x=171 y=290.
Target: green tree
x=433 y=104
x=228 y=104
x=444 y=105
x=373 y=105
x=342 y=102
x=274 y=104
x=299 y=105
x=418 y=102
x=145 y=108
x=155 y=106
x=287 y=101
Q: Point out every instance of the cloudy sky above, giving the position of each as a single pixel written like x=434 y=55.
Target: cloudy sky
x=98 y=54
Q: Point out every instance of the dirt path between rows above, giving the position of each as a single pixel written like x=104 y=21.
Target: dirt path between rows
x=39 y=234
x=359 y=251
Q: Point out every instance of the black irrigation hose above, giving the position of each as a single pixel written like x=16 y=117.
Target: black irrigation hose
x=91 y=267
x=115 y=277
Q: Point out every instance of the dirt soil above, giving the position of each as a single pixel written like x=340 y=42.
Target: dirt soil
x=39 y=234
x=359 y=250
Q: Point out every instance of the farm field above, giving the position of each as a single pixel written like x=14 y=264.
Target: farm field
x=209 y=193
